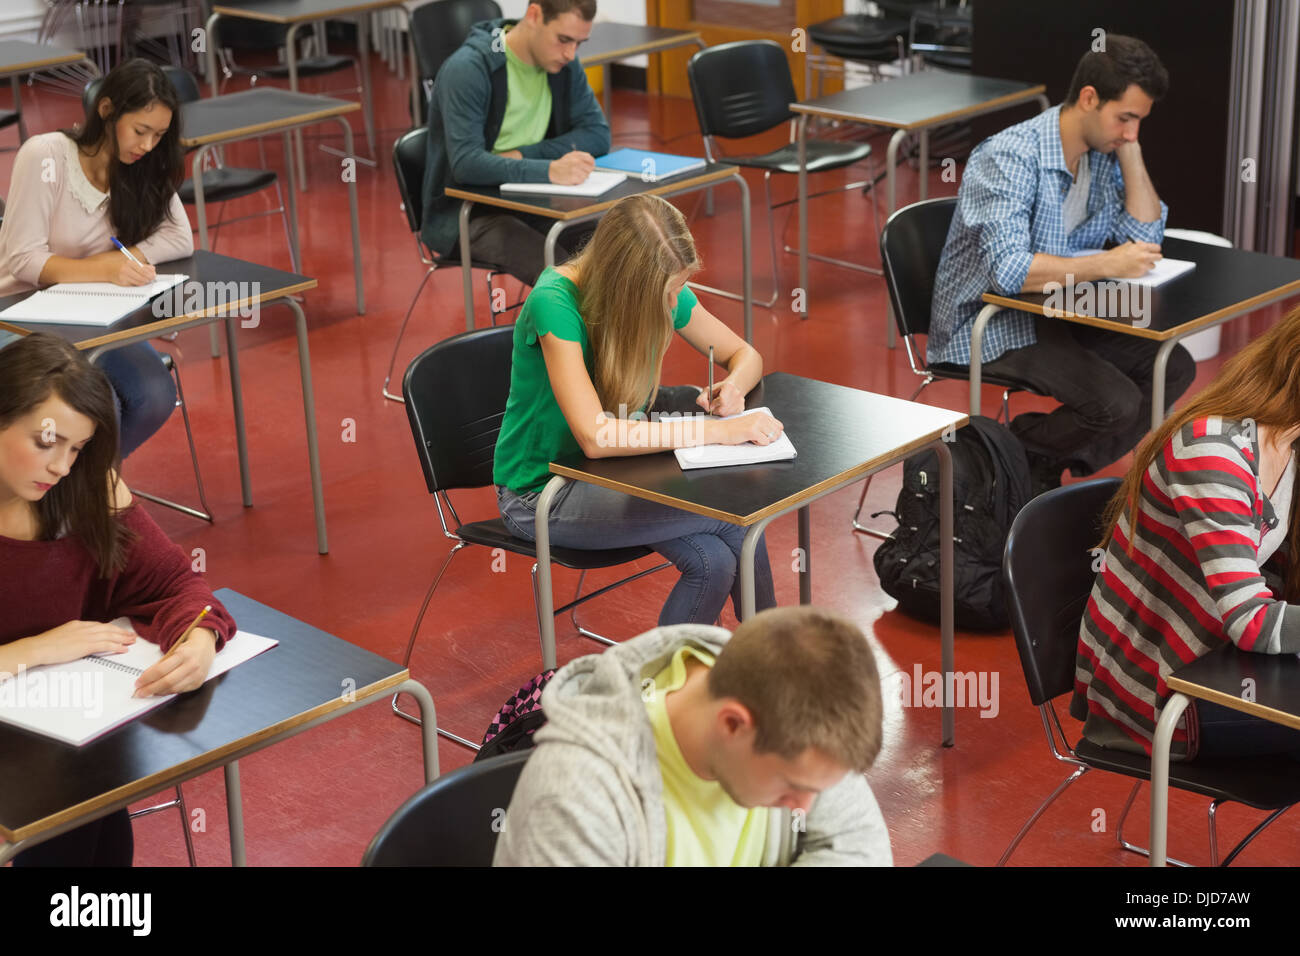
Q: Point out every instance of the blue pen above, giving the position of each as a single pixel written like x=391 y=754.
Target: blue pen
x=125 y=251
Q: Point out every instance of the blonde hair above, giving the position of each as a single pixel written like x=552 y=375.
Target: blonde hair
x=623 y=274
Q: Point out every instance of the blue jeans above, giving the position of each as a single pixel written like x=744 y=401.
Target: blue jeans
x=704 y=550
x=144 y=389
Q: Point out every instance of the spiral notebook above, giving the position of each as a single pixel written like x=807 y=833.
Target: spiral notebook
x=87 y=303
x=81 y=700
x=723 y=456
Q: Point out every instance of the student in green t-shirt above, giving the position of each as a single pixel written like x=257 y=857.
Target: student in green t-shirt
x=588 y=353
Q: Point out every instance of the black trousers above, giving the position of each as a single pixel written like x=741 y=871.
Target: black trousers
x=107 y=841
x=516 y=241
x=1102 y=380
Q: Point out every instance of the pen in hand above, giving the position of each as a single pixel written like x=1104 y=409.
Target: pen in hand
x=125 y=251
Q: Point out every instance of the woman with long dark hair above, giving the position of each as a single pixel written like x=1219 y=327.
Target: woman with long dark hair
x=1202 y=548
x=114 y=176
x=75 y=552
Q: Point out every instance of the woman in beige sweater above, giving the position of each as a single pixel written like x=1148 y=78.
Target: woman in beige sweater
x=71 y=191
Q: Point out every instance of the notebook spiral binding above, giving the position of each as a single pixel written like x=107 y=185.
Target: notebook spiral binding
x=116 y=665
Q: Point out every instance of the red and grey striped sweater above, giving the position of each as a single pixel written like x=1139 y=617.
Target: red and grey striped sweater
x=1191 y=582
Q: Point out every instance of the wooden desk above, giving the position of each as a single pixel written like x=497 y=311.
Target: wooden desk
x=1219 y=677
x=209 y=123
x=295 y=13
x=1225 y=284
x=19 y=56
x=610 y=41
x=311 y=677
x=213 y=275
x=913 y=103
x=842 y=435
x=568 y=210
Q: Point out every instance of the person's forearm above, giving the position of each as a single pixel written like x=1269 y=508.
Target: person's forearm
x=17 y=656
x=745 y=369
x=616 y=437
x=1045 y=269
x=1140 y=199
x=96 y=268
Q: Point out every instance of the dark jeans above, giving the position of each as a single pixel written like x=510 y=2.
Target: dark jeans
x=1103 y=382
x=144 y=389
x=107 y=841
x=516 y=241
x=1230 y=733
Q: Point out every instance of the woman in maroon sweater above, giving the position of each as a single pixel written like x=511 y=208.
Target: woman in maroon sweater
x=75 y=552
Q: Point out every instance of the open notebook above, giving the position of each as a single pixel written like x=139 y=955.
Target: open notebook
x=721 y=456
x=1161 y=272
x=597 y=183
x=87 y=303
x=80 y=700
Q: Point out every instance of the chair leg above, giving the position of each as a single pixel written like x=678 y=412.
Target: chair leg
x=392 y=361
x=776 y=288
x=1002 y=861
x=573 y=616
x=1267 y=821
x=284 y=221
x=206 y=513
x=866 y=486
x=1132 y=847
x=410 y=646
x=179 y=803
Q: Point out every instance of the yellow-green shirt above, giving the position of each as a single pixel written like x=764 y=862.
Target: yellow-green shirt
x=705 y=826
x=528 y=105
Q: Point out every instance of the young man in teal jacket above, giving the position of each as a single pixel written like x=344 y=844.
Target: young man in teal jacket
x=688 y=746
x=512 y=105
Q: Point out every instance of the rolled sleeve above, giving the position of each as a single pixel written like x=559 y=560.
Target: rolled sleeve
x=1127 y=228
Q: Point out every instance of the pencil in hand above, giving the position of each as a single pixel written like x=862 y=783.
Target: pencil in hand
x=188 y=631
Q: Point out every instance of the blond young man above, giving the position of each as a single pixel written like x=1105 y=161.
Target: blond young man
x=688 y=746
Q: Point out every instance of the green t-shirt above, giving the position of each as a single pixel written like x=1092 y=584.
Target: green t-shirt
x=528 y=105
x=534 y=432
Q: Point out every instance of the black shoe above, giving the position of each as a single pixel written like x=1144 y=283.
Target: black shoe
x=1044 y=474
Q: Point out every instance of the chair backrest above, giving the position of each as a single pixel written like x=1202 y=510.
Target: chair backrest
x=453 y=821
x=741 y=88
x=910 y=247
x=456 y=394
x=90 y=93
x=438 y=29
x=408 y=163
x=1048 y=566
x=182 y=80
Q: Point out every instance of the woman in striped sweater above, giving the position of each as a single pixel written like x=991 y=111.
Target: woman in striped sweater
x=1196 y=555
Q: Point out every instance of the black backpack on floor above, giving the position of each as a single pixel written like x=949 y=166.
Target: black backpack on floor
x=990 y=484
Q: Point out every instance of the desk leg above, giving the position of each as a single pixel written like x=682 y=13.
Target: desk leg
x=746 y=257
x=1160 y=746
x=16 y=86
x=309 y=411
x=607 y=90
x=545 y=597
x=356 y=226
x=976 y=349
x=747 y=551
x=237 y=400
x=291 y=57
x=1159 y=373
x=201 y=215
x=367 y=100
x=923 y=167
x=428 y=725
x=891 y=162
x=946 y=587
x=805 y=553
x=1043 y=102
x=416 y=118
x=466 y=270
x=235 y=814
x=801 y=138
x=552 y=237
x=210 y=38
x=290 y=181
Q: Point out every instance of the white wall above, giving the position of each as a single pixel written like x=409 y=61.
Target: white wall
x=20 y=19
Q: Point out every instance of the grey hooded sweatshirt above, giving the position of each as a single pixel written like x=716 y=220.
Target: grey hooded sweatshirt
x=591 y=794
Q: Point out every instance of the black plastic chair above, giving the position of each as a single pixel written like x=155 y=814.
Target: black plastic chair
x=453 y=821
x=910 y=248
x=456 y=395
x=854 y=38
x=437 y=31
x=408 y=163
x=943 y=36
x=1048 y=567
x=744 y=88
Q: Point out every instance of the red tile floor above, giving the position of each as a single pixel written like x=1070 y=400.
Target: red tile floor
x=318 y=799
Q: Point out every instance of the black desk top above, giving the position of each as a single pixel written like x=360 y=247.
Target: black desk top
x=920 y=99
x=19 y=56
x=614 y=41
x=289 y=11
x=1220 y=675
x=1224 y=281
x=838 y=433
x=207 y=288
x=570 y=207
x=247 y=113
x=297 y=681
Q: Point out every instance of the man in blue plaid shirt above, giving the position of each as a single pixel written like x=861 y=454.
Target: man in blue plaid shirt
x=1032 y=199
